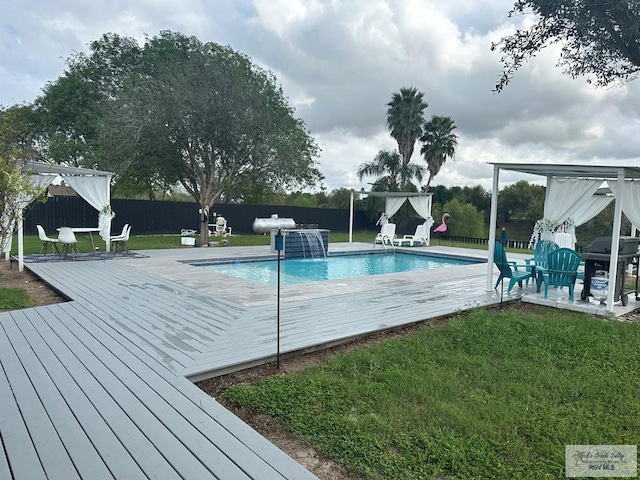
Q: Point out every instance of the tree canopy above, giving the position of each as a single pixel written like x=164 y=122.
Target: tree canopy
x=179 y=110
x=521 y=201
x=600 y=38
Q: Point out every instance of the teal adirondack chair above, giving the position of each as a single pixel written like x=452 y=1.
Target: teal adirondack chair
x=561 y=271
x=509 y=269
x=540 y=253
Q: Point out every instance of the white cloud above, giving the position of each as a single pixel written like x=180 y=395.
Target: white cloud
x=340 y=61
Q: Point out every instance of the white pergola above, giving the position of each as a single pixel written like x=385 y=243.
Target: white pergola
x=575 y=188
x=92 y=185
x=420 y=201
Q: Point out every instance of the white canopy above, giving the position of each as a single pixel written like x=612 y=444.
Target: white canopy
x=420 y=201
x=570 y=194
x=92 y=185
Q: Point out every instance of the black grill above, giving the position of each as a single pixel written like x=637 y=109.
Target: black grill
x=626 y=246
x=597 y=256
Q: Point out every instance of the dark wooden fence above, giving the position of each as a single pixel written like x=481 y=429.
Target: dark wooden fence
x=156 y=217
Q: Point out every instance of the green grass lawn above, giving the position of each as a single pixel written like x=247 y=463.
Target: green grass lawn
x=490 y=394
x=14 y=298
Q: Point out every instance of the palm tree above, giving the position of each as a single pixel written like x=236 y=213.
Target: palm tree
x=393 y=175
x=438 y=143
x=405 y=116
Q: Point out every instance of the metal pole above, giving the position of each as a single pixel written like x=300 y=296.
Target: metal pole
x=351 y=218
x=278 y=318
x=279 y=246
x=493 y=217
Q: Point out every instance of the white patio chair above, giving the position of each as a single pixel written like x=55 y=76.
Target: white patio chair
x=121 y=240
x=46 y=241
x=121 y=234
x=68 y=240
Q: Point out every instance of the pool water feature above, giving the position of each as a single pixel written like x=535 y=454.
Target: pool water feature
x=305 y=243
x=334 y=267
x=315 y=246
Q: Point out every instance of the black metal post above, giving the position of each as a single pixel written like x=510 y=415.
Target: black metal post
x=279 y=246
x=278 y=317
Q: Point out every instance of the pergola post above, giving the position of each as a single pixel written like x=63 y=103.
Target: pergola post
x=20 y=243
x=615 y=242
x=493 y=219
x=351 y=218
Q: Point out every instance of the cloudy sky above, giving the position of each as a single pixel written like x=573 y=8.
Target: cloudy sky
x=340 y=61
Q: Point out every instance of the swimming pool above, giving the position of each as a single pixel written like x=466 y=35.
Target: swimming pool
x=334 y=267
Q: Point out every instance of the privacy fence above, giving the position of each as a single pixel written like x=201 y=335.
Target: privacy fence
x=157 y=217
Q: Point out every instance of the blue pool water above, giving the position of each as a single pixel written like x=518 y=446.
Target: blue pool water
x=293 y=271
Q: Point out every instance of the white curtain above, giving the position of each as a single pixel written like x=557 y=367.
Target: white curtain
x=630 y=199
x=565 y=197
x=589 y=208
x=422 y=205
x=573 y=198
x=38 y=182
x=392 y=205
x=95 y=190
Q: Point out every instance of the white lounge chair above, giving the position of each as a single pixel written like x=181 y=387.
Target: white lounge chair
x=387 y=234
x=418 y=239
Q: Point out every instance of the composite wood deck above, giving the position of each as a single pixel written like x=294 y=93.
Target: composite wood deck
x=100 y=387
x=89 y=390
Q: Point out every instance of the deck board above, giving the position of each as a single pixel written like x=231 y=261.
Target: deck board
x=44 y=437
x=170 y=318
x=101 y=436
x=5 y=471
x=84 y=457
x=16 y=439
x=161 y=385
x=176 y=444
x=307 y=324
x=100 y=392
x=119 y=412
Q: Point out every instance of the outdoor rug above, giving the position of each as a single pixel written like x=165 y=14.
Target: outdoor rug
x=79 y=257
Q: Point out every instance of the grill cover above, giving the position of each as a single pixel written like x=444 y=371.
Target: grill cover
x=626 y=246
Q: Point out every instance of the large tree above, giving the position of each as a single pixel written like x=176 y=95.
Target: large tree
x=600 y=38
x=405 y=117
x=177 y=111
x=206 y=115
x=438 y=143
x=521 y=201
x=20 y=133
x=72 y=106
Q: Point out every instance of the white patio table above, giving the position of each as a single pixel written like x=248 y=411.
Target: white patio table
x=90 y=231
